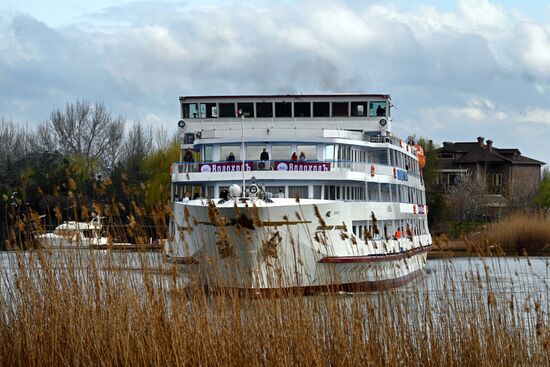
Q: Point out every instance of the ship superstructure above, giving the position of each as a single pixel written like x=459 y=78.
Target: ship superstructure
x=299 y=190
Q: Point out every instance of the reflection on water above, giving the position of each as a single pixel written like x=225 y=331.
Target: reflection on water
x=501 y=275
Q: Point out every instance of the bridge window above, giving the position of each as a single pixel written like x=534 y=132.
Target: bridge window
x=277 y=191
x=208 y=110
x=190 y=110
x=264 y=109
x=377 y=109
x=359 y=108
x=247 y=109
x=302 y=109
x=283 y=109
x=340 y=109
x=321 y=109
x=227 y=110
x=226 y=150
x=281 y=152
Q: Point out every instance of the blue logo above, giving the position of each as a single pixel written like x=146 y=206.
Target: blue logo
x=402 y=175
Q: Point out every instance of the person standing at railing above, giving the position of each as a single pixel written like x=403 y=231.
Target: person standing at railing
x=294 y=157
x=231 y=157
x=302 y=156
x=188 y=156
x=264 y=156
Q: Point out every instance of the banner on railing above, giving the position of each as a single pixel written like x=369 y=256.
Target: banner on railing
x=301 y=166
x=225 y=167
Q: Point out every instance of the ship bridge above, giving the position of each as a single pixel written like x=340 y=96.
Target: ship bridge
x=317 y=146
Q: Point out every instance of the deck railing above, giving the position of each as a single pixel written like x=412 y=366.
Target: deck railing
x=293 y=165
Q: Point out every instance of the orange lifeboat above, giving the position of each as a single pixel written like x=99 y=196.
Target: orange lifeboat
x=420 y=155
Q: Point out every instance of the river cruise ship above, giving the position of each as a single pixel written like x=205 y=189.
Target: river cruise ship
x=296 y=192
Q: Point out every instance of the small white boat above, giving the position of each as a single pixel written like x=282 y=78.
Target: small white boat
x=75 y=234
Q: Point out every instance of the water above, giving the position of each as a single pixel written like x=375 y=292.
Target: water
x=503 y=276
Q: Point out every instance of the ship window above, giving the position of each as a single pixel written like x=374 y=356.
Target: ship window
x=377 y=109
x=321 y=109
x=310 y=151
x=253 y=152
x=317 y=192
x=207 y=156
x=302 y=109
x=247 y=109
x=340 y=109
x=283 y=109
x=277 y=191
x=190 y=110
x=359 y=108
x=372 y=188
x=329 y=152
x=330 y=192
x=227 y=149
x=208 y=110
x=264 y=109
x=283 y=152
x=227 y=110
x=301 y=191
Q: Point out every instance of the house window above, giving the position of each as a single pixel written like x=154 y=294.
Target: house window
x=497 y=179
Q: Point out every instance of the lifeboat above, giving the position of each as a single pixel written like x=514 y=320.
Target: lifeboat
x=420 y=155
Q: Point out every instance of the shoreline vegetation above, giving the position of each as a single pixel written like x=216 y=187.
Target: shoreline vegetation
x=516 y=234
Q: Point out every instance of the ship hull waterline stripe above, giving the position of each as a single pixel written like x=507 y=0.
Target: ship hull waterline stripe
x=375 y=258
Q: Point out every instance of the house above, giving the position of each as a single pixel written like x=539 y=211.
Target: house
x=506 y=174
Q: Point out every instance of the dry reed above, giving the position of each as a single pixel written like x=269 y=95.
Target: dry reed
x=520 y=232
x=86 y=307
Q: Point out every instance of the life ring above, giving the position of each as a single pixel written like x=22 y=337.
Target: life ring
x=181 y=124
x=372 y=170
x=394 y=172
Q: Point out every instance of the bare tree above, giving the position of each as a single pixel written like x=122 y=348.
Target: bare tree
x=468 y=197
x=15 y=142
x=138 y=142
x=86 y=130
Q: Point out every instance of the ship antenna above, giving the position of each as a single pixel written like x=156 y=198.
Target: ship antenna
x=243 y=153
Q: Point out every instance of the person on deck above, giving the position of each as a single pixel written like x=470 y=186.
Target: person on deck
x=302 y=156
x=188 y=156
x=264 y=156
x=231 y=157
x=294 y=157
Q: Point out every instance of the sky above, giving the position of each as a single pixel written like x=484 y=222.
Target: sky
x=456 y=69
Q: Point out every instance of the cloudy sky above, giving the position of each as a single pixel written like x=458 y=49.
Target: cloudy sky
x=455 y=69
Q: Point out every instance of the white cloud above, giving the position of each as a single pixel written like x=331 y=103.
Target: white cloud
x=449 y=72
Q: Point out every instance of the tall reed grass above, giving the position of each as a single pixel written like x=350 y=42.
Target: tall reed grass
x=519 y=232
x=91 y=308
x=82 y=307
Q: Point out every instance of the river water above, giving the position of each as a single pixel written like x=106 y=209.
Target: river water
x=503 y=275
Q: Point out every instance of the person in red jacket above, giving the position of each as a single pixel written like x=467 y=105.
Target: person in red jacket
x=294 y=157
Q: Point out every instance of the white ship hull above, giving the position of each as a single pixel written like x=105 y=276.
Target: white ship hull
x=281 y=245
